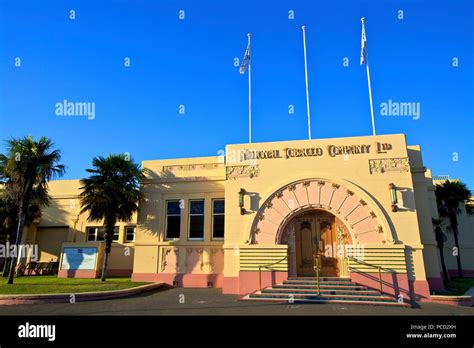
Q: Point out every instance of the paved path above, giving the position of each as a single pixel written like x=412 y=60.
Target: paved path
x=212 y=302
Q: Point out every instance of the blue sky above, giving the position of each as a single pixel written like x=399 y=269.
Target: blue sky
x=190 y=62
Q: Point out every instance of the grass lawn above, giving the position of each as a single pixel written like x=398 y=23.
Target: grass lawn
x=457 y=287
x=54 y=285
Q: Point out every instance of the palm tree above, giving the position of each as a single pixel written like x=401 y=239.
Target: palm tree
x=440 y=240
x=110 y=194
x=9 y=217
x=25 y=171
x=449 y=196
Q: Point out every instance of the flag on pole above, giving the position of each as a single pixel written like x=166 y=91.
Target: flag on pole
x=363 y=45
x=364 y=60
x=246 y=59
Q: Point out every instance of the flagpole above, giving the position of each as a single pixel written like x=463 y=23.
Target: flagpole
x=368 y=83
x=306 y=80
x=250 y=96
x=370 y=98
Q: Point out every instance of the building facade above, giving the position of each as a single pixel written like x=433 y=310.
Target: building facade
x=261 y=213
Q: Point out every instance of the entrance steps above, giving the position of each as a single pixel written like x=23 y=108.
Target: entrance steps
x=332 y=290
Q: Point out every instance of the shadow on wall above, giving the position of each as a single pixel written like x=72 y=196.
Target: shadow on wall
x=407 y=202
x=254 y=201
x=54 y=229
x=384 y=211
x=149 y=217
x=391 y=281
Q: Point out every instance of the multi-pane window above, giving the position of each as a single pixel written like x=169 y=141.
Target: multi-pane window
x=218 y=218
x=129 y=233
x=196 y=219
x=96 y=234
x=173 y=219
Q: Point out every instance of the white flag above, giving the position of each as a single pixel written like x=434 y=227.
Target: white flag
x=363 y=45
x=245 y=60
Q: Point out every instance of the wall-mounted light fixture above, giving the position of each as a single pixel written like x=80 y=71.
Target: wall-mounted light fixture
x=242 y=193
x=393 y=197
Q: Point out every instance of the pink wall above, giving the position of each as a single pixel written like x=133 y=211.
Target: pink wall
x=395 y=284
x=183 y=279
x=248 y=282
x=88 y=273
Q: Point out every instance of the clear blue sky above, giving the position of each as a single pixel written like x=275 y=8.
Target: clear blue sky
x=190 y=62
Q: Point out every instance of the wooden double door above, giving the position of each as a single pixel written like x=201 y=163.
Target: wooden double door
x=315 y=234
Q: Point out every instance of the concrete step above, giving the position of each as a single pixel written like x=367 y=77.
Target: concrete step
x=310 y=282
x=348 y=279
x=325 y=300
x=286 y=296
x=322 y=291
x=332 y=290
x=321 y=286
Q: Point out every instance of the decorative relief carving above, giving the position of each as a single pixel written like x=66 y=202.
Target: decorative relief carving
x=164 y=255
x=279 y=194
x=383 y=165
x=341 y=234
x=201 y=258
x=306 y=183
x=212 y=259
x=269 y=205
x=292 y=187
x=187 y=167
x=189 y=252
x=242 y=171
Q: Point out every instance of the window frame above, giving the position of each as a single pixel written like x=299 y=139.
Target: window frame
x=212 y=216
x=166 y=219
x=203 y=200
x=134 y=233
x=96 y=228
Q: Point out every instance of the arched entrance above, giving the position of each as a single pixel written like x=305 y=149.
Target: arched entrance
x=360 y=213
x=315 y=232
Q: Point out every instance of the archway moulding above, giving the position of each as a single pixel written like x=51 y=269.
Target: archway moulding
x=361 y=214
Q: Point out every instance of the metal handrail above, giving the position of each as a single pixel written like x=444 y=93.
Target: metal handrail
x=379 y=268
x=317 y=268
x=267 y=266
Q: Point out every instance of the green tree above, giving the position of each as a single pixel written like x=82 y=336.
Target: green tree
x=440 y=240
x=111 y=193
x=9 y=218
x=449 y=195
x=25 y=170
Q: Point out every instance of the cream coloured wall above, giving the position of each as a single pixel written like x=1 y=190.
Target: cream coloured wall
x=185 y=180
x=64 y=213
x=466 y=238
x=274 y=173
x=367 y=174
x=424 y=196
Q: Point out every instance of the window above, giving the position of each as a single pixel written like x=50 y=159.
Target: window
x=196 y=219
x=129 y=233
x=218 y=218
x=173 y=219
x=96 y=234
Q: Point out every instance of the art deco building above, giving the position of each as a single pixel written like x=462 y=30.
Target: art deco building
x=362 y=205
